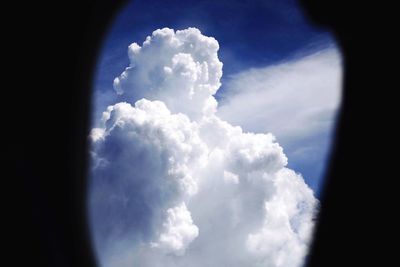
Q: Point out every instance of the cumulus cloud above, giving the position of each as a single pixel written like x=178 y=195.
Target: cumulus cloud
x=180 y=68
x=174 y=185
x=178 y=231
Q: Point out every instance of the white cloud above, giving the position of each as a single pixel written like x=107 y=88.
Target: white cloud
x=293 y=99
x=178 y=231
x=174 y=185
x=297 y=100
x=179 y=68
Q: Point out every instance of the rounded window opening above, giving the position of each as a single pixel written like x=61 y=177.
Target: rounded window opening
x=211 y=128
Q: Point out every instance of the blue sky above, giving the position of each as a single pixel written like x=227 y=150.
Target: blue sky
x=251 y=34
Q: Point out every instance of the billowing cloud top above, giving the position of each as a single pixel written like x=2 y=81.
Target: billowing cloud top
x=174 y=185
x=179 y=68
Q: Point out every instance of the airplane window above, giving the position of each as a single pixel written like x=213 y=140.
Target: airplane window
x=211 y=127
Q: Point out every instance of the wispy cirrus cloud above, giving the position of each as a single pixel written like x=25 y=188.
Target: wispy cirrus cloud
x=292 y=99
